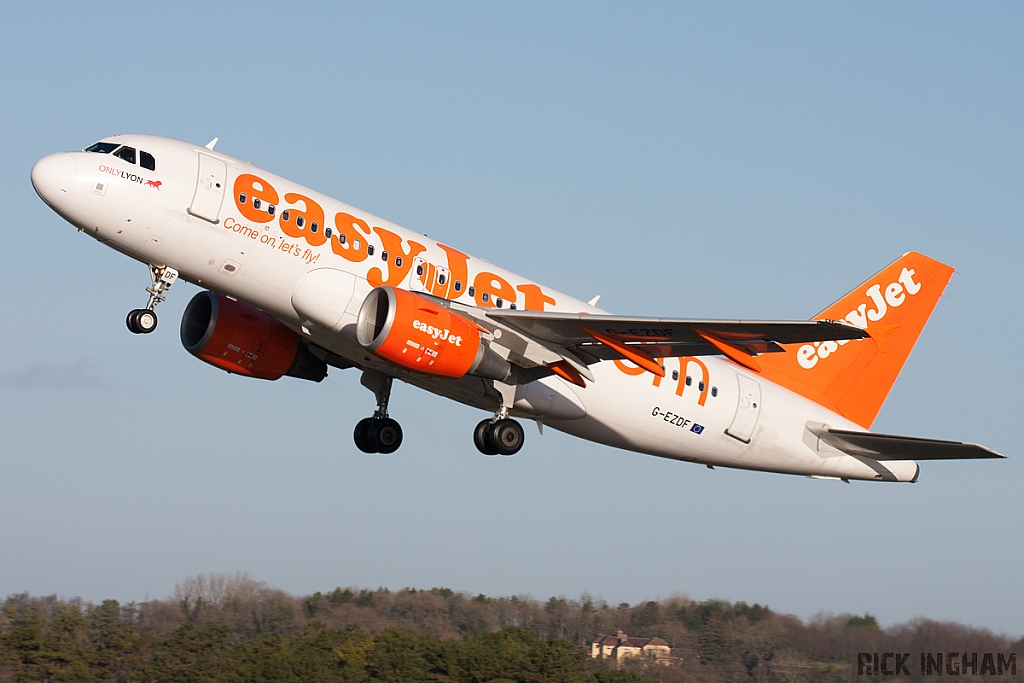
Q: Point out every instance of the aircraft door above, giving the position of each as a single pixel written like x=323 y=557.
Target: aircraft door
x=428 y=278
x=748 y=407
x=419 y=275
x=209 y=188
x=441 y=276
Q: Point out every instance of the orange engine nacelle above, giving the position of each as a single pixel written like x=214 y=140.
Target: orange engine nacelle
x=413 y=332
x=232 y=336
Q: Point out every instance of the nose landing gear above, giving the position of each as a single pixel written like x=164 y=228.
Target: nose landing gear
x=143 y=320
x=379 y=433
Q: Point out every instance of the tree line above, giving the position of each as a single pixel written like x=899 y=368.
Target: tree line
x=233 y=628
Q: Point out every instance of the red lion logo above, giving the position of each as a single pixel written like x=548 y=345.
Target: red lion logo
x=154 y=183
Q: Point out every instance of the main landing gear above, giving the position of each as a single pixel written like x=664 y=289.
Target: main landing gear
x=379 y=433
x=500 y=435
x=143 y=320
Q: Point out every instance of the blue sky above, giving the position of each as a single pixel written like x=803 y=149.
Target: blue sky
x=704 y=160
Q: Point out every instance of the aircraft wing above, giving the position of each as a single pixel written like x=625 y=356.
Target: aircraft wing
x=553 y=340
x=890 y=447
x=670 y=337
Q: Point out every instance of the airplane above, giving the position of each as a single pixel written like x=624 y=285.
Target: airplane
x=295 y=282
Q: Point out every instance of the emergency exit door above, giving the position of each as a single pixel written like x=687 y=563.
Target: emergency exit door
x=748 y=407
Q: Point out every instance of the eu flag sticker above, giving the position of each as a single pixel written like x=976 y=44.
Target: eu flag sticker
x=697 y=429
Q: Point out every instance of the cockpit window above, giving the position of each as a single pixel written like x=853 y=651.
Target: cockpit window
x=127 y=153
x=102 y=147
x=147 y=161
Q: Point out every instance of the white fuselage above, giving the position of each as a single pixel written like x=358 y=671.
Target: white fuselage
x=706 y=410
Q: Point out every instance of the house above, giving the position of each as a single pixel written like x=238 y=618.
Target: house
x=621 y=647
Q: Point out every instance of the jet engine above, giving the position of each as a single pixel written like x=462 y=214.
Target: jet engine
x=240 y=339
x=413 y=332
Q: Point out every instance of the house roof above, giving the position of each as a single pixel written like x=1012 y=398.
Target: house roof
x=606 y=640
x=623 y=639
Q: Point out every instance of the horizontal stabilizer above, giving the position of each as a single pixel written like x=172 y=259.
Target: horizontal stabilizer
x=889 y=447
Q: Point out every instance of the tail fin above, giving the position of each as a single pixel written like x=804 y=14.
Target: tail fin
x=853 y=378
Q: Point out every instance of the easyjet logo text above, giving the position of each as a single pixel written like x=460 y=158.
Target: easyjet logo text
x=437 y=333
x=387 y=257
x=880 y=302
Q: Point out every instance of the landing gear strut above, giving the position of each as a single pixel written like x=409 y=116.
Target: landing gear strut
x=500 y=435
x=379 y=433
x=143 y=320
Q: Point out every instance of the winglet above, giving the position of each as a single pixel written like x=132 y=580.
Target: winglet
x=211 y=143
x=878 y=335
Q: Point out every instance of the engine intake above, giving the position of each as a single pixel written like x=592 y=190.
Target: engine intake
x=413 y=332
x=242 y=340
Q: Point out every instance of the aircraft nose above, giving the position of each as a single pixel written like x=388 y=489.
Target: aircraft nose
x=52 y=177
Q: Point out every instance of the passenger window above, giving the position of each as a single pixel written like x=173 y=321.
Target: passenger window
x=471 y=291
x=398 y=262
x=369 y=250
x=271 y=208
x=126 y=153
x=355 y=244
x=512 y=307
x=675 y=374
x=147 y=161
x=485 y=297
x=241 y=198
x=313 y=227
x=384 y=256
x=327 y=233
x=102 y=147
x=498 y=302
x=689 y=380
x=256 y=203
x=700 y=386
x=714 y=392
x=300 y=221
x=341 y=238
x=285 y=215
x=458 y=285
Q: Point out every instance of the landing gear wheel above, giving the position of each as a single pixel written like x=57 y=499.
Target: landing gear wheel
x=386 y=435
x=482 y=438
x=507 y=436
x=363 y=435
x=146 y=321
x=141 y=321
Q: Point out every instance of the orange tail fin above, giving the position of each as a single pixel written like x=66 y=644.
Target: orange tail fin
x=853 y=378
